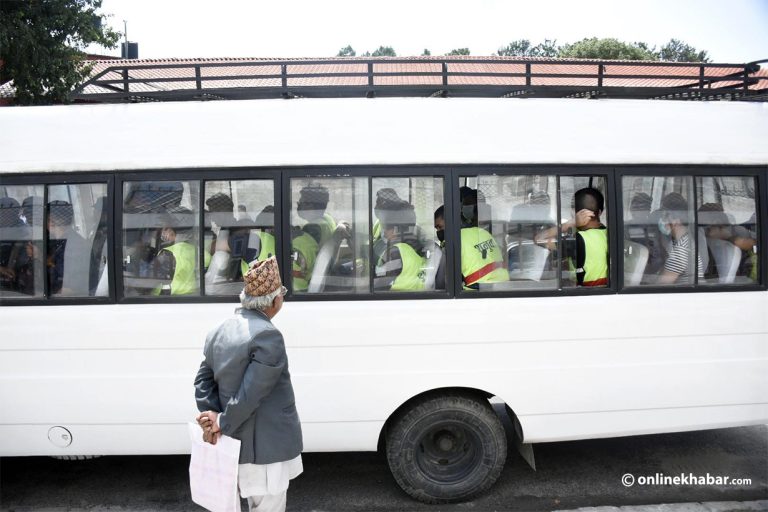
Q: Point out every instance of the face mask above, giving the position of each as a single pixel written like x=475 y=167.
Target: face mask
x=468 y=212
x=441 y=235
x=664 y=228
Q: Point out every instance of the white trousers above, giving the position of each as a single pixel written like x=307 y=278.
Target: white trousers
x=267 y=503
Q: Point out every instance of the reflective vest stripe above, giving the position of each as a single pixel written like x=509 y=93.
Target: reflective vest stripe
x=484 y=271
x=603 y=281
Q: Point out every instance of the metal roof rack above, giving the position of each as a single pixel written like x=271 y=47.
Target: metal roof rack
x=515 y=77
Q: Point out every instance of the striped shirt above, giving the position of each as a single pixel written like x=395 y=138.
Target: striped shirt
x=680 y=259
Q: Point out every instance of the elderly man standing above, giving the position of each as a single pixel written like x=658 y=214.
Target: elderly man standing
x=243 y=390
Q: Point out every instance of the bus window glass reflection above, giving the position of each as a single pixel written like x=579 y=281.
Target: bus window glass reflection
x=77 y=240
x=160 y=223
x=659 y=239
x=232 y=237
x=329 y=235
x=727 y=228
x=21 y=241
x=406 y=249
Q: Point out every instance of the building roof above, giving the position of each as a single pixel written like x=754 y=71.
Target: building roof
x=240 y=78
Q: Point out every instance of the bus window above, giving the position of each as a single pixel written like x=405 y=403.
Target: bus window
x=659 y=239
x=329 y=235
x=407 y=253
x=160 y=229
x=21 y=241
x=77 y=240
x=239 y=228
x=503 y=220
x=727 y=227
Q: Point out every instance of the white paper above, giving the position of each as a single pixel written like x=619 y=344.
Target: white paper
x=213 y=472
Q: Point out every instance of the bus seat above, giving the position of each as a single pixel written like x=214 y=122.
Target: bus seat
x=532 y=260
x=323 y=263
x=703 y=252
x=635 y=261
x=727 y=258
x=433 y=262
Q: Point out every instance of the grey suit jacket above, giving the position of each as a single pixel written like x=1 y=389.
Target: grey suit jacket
x=244 y=375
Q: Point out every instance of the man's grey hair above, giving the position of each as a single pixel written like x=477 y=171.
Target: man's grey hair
x=261 y=303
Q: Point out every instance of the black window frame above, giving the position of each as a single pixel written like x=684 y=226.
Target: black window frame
x=200 y=176
x=46 y=180
x=281 y=176
x=694 y=171
x=559 y=171
x=370 y=172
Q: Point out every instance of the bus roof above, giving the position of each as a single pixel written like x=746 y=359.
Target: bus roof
x=387 y=131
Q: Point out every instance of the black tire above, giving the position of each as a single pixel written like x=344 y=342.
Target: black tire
x=446 y=448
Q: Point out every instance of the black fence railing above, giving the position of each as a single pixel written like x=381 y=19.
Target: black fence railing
x=479 y=77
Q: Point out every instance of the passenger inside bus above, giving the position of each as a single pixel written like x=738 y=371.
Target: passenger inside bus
x=673 y=223
x=482 y=261
x=176 y=261
x=307 y=240
x=440 y=243
x=401 y=267
x=587 y=251
x=383 y=196
x=229 y=235
x=69 y=254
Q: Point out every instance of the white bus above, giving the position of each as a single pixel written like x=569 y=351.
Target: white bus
x=103 y=321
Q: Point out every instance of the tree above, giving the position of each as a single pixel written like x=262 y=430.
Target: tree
x=42 y=45
x=426 y=53
x=347 y=51
x=384 y=51
x=609 y=48
x=678 y=51
x=459 y=51
x=523 y=48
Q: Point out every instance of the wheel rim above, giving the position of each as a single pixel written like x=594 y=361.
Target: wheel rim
x=448 y=452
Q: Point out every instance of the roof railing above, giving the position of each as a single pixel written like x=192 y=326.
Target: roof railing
x=350 y=77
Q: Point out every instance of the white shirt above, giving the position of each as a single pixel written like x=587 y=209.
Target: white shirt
x=263 y=479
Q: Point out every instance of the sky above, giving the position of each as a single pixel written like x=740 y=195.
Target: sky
x=731 y=31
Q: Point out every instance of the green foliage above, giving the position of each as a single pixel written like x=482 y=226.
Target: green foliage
x=523 y=48
x=426 y=53
x=459 y=51
x=347 y=51
x=609 y=48
x=677 y=51
x=384 y=51
x=42 y=42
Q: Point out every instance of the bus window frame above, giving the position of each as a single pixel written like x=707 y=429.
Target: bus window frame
x=694 y=171
x=450 y=173
x=200 y=176
x=559 y=171
x=50 y=179
x=370 y=172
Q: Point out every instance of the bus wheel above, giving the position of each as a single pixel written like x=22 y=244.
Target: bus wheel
x=446 y=448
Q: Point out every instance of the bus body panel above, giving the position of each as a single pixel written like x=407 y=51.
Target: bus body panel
x=569 y=367
x=387 y=131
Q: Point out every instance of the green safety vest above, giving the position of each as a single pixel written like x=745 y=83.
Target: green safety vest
x=184 y=280
x=327 y=227
x=596 y=257
x=412 y=275
x=481 y=258
x=308 y=247
x=266 y=249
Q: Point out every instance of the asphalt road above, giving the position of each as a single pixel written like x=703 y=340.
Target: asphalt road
x=569 y=475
